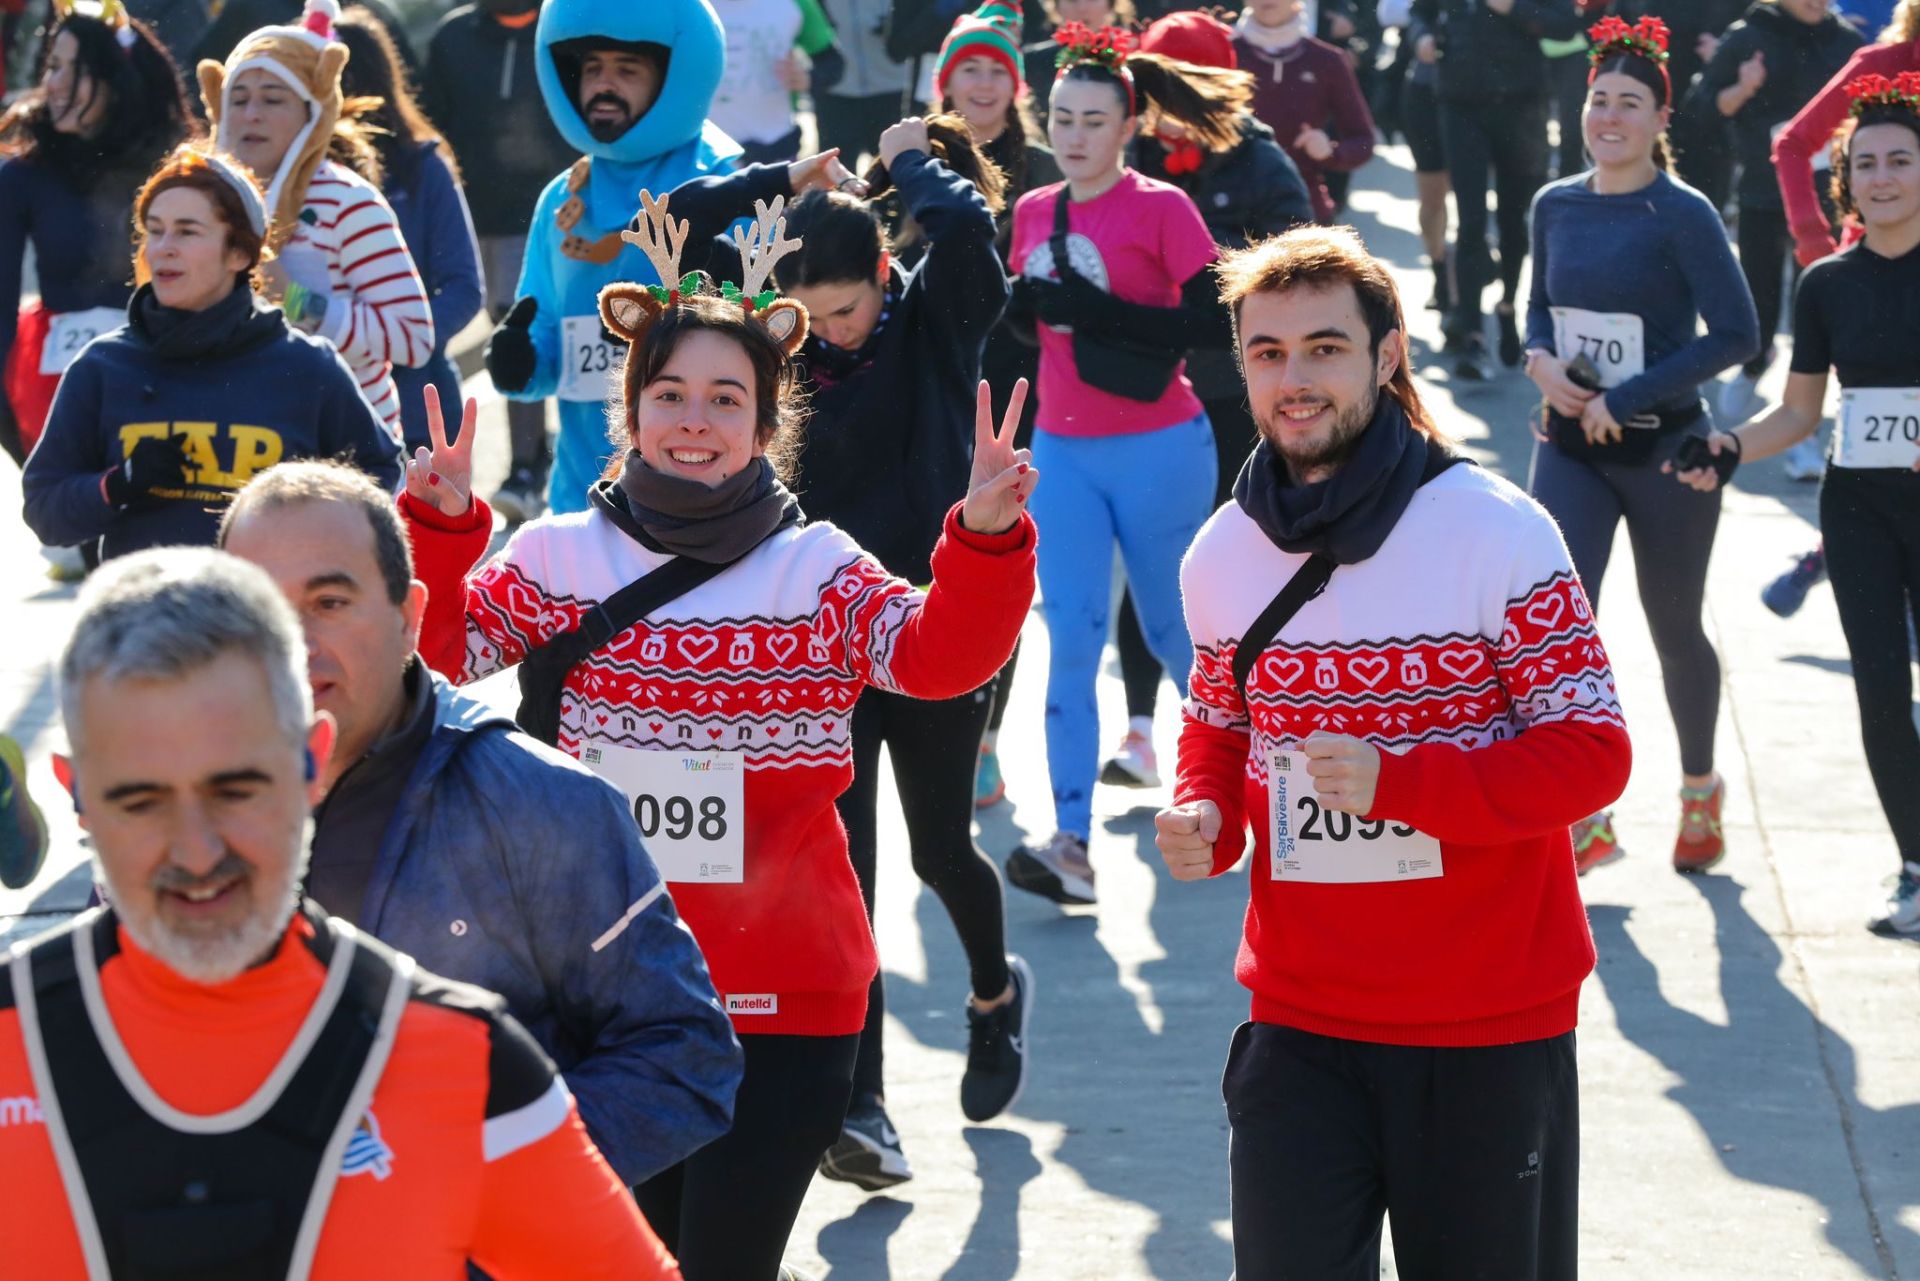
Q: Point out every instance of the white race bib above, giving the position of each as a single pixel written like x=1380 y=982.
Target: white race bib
x=590 y=366
x=69 y=331
x=1309 y=842
x=1615 y=341
x=690 y=807
x=1878 y=427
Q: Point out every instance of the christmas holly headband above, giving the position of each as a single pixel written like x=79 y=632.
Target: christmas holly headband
x=1646 y=38
x=1106 y=48
x=629 y=310
x=1901 y=92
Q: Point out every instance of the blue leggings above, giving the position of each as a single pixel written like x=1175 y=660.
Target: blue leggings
x=1150 y=492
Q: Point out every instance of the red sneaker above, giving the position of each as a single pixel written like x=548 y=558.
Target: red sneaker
x=1594 y=843
x=1699 y=845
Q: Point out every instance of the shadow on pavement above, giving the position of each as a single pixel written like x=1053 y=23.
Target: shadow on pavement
x=1759 y=1097
x=855 y=1248
x=1006 y=1164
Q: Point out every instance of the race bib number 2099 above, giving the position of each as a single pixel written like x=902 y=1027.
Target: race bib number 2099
x=1309 y=842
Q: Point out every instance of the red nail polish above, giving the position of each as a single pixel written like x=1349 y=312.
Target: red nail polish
x=1023 y=469
x=433 y=478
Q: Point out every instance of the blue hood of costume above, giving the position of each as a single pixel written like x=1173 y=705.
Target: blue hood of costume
x=689 y=28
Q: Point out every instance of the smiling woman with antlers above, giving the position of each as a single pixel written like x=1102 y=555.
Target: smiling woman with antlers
x=733 y=642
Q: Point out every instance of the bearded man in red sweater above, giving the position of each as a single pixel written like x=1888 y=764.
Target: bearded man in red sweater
x=1408 y=726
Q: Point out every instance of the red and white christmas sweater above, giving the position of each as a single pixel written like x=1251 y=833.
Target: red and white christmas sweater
x=766 y=659
x=1465 y=650
x=348 y=248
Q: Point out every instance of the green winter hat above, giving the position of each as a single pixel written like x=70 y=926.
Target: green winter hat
x=991 y=31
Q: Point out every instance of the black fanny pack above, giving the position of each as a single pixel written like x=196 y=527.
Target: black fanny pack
x=1636 y=443
x=1116 y=365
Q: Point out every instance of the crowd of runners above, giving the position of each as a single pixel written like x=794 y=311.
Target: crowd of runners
x=867 y=325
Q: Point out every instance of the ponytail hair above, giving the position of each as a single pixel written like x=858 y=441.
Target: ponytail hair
x=842 y=236
x=1208 y=102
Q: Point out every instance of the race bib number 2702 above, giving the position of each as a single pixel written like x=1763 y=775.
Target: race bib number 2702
x=1309 y=842
x=688 y=805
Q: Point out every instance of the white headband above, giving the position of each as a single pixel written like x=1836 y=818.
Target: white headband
x=249 y=197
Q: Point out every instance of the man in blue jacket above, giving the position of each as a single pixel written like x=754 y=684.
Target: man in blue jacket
x=490 y=858
x=628 y=85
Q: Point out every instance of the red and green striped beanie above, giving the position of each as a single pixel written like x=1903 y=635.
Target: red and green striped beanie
x=991 y=31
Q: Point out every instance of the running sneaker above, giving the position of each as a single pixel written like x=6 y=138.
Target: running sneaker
x=1471 y=363
x=1739 y=400
x=1805 y=461
x=23 y=829
x=522 y=498
x=1058 y=870
x=1507 y=325
x=867 y=1154
x=1133 y=764
x=1787 y=593
x=1699 y=845
x=997 y=1049
x=64 y=564
x=988 y=786
x=1595 y=844
x=1900 y=917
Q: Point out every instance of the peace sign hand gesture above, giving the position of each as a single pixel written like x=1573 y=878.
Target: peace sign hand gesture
x=442 y=477
x=1003 y=477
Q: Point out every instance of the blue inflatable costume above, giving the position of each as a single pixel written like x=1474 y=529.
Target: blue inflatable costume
x=573 y=244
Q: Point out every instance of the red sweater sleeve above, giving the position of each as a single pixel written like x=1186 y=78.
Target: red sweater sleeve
x=952 y=638
x=555 y=1211
x=1569 y=758
x=1215 y=737
x=444 y=549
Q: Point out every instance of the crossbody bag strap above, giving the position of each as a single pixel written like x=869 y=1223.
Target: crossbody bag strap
x=1307 y=582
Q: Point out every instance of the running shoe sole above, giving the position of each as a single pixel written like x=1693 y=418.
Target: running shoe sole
x=1115 y=773
x=1611 y=856
x=855 y=1159
x=1885 y=929
x=1694 y=869
x=1028 y=873
x=988 y=802
x=1017 y=965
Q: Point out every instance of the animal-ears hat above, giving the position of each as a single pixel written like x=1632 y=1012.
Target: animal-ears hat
x=111 y=12
x=308 y=60
x=629 y=310
x=1646 y=38
x=991 y=31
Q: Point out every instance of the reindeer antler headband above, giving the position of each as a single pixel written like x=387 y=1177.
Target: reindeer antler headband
x=1646 y=38
x=630 y=310
x=1901 y=92
x=1106 y=48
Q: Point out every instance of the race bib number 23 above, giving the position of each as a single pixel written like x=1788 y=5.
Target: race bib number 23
x=1309 y=842
x=590 y=366
x=689 y=807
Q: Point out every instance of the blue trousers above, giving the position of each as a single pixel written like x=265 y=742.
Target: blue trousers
x=1148 y=492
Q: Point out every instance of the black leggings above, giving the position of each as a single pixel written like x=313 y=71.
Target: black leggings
x=726 y=1211
x=1234 y=436
x=1472 y=1153
x=1507 y=136
x=1764 y=241
x=1672 y=529
x=933 y=747
x=1871 y=523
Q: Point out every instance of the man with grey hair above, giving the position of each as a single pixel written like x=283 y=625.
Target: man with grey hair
x=207 y=1077
x=492 y=858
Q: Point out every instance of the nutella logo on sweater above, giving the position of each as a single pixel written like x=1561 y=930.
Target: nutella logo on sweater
x=21 y=1109
x=753 y=1003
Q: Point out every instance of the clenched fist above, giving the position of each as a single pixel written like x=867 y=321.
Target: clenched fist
x=1185 y=835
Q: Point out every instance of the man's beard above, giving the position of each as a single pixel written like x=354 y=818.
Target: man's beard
x=218 y=958
x=1332 y=450
x=607 y=130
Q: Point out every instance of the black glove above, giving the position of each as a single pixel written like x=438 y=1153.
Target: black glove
x=510 y=355
x=156 y=462
x=1071 y=301
x=1695 y=454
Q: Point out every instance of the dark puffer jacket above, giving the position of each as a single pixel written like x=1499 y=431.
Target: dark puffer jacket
x=1488 y=55
x=1800 y=58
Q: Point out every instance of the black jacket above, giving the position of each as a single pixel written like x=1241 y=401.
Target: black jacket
x=1800 y=59
x=1488 y=55
x=1246 y=194
x=239 y=19
x=479 y=90
x=889 y=442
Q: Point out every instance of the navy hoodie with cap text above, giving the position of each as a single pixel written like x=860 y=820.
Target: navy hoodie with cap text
x=240 y=388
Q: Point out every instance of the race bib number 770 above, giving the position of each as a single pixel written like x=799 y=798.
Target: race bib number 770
x=1309 y=842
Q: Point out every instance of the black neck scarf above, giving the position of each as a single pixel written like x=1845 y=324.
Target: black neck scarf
x=1349 y=514
x=233 y=325
x=714 y=524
